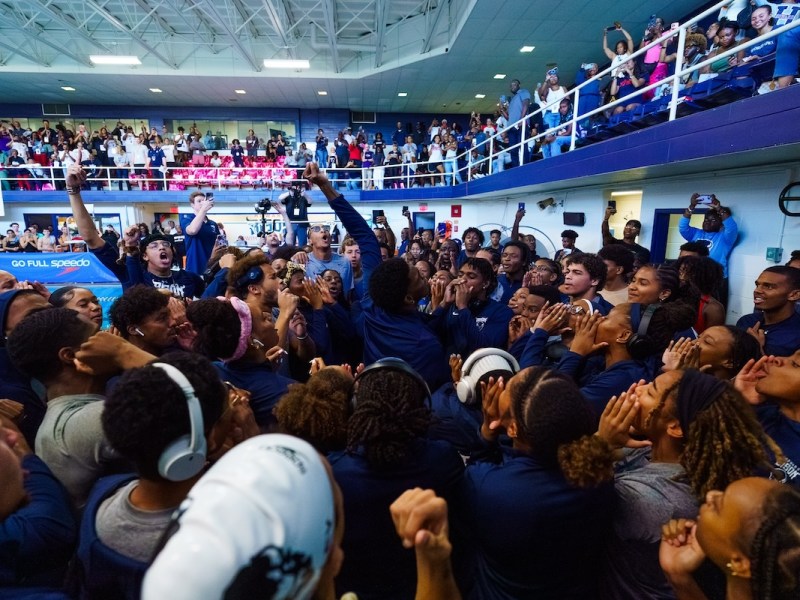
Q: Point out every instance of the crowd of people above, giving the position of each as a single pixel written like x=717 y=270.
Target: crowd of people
x=415 y=155
x=413 y=416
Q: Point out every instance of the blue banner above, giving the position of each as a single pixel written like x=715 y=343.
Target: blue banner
x=55 y=268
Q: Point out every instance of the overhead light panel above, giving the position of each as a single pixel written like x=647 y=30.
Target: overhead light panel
x=155 y=90
x=402 y=94
x=286 y=64
x=480 y=96
x=527 y=49
x=240 y=91
x=109 y=59
x=626 y=193
x=322 y=93
x=500 y=76
x=67 y=88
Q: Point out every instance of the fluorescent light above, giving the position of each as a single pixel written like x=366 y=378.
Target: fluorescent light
x=500 y=76
x=626 y=193
x=108 y=59
x=402 y=94
x=67 y=88
x=286 y=64
x=480 y=96
x=155 y=90
x=322 y=93
x=527 y=49
x=240 y=91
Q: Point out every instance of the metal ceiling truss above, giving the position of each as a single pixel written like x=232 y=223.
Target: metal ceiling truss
x=208 y=7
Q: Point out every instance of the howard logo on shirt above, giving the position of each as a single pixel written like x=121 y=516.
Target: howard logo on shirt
x=176 y=289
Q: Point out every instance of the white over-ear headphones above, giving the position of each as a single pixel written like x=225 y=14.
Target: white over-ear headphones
x=477 y=365
x=184 y=457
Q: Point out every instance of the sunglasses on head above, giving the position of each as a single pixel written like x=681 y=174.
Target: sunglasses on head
x=318 y=228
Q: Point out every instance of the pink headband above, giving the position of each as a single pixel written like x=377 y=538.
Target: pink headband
x=246 y=320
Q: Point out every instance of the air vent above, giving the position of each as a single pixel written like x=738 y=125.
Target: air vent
x=362 y=117
x=56 y=110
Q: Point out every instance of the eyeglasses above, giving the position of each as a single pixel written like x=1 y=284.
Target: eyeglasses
x=157 y=245
x=318 y=228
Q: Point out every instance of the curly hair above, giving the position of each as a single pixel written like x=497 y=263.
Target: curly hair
x=594 y=265
x=388 y=284
x=217 y=325
x=60 y=327
x=745 y=347
x=705 y=273
x=620 y=256
x=476 y=231
x=390 y=413
x=725 y=442
x=238 y=270
x=698 y=248
x=317 y=411
x=775 y=550
x=484 y=267
x=666 y=321
x=147 y=411
x=134 y=306
x=553 y=418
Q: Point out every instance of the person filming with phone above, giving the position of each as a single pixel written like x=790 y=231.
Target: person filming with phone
x=200 y=231
x=719 y=232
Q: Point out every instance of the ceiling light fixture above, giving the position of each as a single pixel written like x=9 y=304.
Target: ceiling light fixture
x=500 y=76
x=322 y=93
x=240 y=91
x=109 y=59
x=155 y=90
x=480 y=96
x=402 y=94
x=527 y=49
x=286 y=64
x=67 y=88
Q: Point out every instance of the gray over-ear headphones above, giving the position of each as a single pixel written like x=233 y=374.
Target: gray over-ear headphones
x=184 y=457
x=477 y=365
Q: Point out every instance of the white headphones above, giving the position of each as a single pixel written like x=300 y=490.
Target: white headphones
x=477 y=365
x=184 y=457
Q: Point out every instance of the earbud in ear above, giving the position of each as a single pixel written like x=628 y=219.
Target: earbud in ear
x=257 y=343
x=138 y=332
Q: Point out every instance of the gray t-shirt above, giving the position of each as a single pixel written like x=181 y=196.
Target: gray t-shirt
x=71 y=442
x=129 y=530
x=337 y=262
x=648 y=495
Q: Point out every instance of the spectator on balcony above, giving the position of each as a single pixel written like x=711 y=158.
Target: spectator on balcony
x=436 y=157
x=625 y=86
x=694 y=52
x=727 y=40
x=788 y=52
x=551 y=93
x=197 y=150
x=251 y=143
x=516 y=109
x=622 y=48
x=653 y=31
x=237 y=154
x=156 y=164
x=553 y=143
x=321 y=149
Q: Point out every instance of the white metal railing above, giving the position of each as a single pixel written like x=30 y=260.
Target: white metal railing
x=274 y=175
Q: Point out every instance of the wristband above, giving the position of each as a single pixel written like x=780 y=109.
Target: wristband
x=689 y=210
x=74 y=190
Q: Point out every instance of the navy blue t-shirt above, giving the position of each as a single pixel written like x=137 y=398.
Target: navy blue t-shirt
x=782 y=338
x=200 y=245
x=265 y=386
x=786 y=433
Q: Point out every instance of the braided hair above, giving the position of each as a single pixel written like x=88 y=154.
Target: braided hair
x=389 y=413
x=775 y=550
x=725 y=442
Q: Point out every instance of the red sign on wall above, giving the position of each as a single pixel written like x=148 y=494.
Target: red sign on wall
x=455 y=211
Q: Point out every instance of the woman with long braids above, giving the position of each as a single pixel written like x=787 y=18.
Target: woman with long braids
x=751 y=531
x=703 y=436
x=387 y=453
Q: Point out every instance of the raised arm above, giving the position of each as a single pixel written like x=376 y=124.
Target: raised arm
x=604 y=229
x=193 y=228
x=289 y=239
x=517 y=221
x=86 y=226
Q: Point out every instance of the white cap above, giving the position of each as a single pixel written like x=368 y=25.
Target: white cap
x=259 y=524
